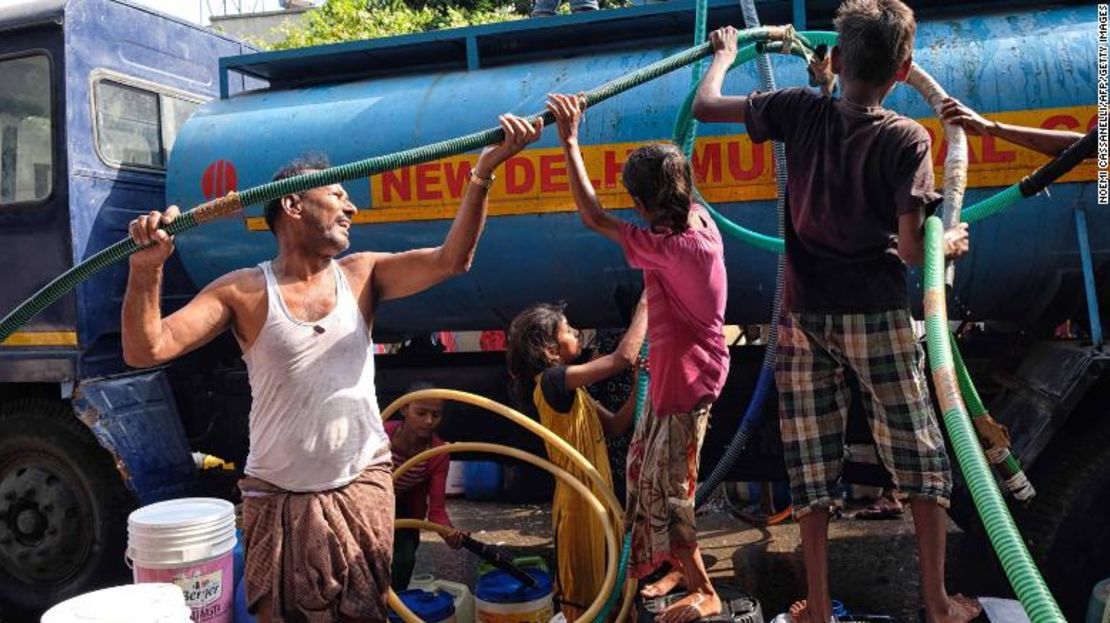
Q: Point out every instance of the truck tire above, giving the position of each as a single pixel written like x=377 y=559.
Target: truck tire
x=63 y=509
x=1066 y=524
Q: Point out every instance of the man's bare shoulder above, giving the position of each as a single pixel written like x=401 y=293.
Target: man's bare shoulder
x=361 y=259
x=242 y=283
x=242 y=279
x=359 y=266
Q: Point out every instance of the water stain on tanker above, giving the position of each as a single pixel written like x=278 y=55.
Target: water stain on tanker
x=425 y=101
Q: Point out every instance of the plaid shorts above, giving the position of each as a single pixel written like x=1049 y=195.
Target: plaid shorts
x=814 y=352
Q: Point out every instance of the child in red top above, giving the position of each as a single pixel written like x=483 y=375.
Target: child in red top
x=420 y=491
x=682 y=256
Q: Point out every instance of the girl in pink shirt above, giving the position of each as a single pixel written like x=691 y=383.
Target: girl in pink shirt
x=682 y=256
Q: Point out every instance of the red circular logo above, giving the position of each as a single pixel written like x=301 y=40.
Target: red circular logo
x=219 y=179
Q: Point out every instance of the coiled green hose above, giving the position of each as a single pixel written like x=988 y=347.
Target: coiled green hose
x=686 y=129
x=1022 y=573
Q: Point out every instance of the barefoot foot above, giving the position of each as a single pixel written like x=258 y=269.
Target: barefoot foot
x=692 y=607
x=959 y=609
x=664 y=585
x=800 y=613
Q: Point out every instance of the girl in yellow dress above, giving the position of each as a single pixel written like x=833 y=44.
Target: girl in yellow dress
x=541 y=351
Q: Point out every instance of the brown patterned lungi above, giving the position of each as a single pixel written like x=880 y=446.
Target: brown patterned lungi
x=320 y=556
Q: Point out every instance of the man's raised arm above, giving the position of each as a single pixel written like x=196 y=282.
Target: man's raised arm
x=149 y=339
x=397 y=275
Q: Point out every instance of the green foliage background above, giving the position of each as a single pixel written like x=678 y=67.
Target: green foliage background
x=350 y=20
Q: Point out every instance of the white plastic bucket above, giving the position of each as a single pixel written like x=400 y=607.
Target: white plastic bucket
x=188 y=543
x=136 y=603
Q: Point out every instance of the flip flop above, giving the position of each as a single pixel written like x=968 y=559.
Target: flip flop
x=878 y=511
x=983 y=616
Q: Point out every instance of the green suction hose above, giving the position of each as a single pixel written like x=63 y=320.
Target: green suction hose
x=995 y=204
x=1036 y=181
x=462 y=144
x=1022 y=573
x=996 y=440
x=685 y=127
x=993 y=435
x=233 y=203
x=104 y=258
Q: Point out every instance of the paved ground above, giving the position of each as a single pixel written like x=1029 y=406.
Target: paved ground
x=874 y=562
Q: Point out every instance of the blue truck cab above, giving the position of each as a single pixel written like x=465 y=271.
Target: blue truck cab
x=92 y=95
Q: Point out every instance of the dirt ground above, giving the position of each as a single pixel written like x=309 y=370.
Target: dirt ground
x=874 y=568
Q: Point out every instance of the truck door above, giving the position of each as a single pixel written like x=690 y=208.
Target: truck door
x=34 y=214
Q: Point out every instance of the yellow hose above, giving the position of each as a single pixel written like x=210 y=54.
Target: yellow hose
x=528 y=423
x=423 y=524
x=553 y=440
x=591 y=500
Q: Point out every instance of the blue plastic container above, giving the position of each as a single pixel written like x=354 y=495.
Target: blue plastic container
x=500 y=596
x=238 y=557
x=239 y=608
x=482 y=480
x=499 y=587
x=240 y=614
x=430 y=607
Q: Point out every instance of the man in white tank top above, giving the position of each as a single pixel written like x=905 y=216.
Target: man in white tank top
x=318 y=493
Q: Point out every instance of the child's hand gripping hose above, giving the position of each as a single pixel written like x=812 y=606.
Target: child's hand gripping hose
x=956 y=158
x=234 y=203
x=497 y=556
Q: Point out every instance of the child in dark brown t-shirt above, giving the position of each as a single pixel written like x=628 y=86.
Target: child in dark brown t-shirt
x=859 y=184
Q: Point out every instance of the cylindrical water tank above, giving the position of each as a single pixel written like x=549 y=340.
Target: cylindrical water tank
x=1036 y=67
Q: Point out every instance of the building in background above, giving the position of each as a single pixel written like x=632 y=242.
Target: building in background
x=262 y=26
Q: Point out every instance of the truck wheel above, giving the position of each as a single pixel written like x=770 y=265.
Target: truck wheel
x=63 y=509
x=1066 y=525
